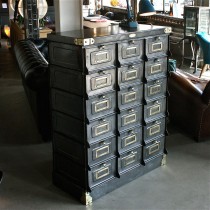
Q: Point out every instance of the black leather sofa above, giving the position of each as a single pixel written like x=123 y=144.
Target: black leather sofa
x=32 y=60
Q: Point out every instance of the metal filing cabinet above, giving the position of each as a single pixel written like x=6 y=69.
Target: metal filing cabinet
x=109 y=104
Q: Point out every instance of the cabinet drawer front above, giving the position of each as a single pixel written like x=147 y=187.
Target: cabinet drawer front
x=154 y=148
x=130 y=118
x=155 y=89
x=98 y=57
x=156 y=67
x=131 y=51
x=72 y=149
x=129 y=139
x=155 y=109
x=68 y=126
x=65 y=55
x=132 y=95
x=130 y=74
x=100 y=82
x=101 y=105
x=153 y=129
x=129 y=159
x=101 y=150
x=62 y=101
x=102 y=172
x=64 y=79
x=156 y=46
x=102 y=128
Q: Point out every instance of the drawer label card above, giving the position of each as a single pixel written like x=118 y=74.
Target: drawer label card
x=101 y=82
x=101 y=151
x=129 y=159
x=154 y=109
x=102 y=172
x=102 y=105
x=158 y=46
x=154 y=89
x=101 y=129
x=155 y=69
x=129 y=97
x=129 y=75
x=154 y=129
x=100 y=57
x=154 y=148
x=129 y=140
x=129 y=119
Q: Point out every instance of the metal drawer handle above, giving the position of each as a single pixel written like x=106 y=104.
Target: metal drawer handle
x=157 y=81
x=131 y=67
x=157 y=60
x=101 y=72
x=131 y=88
x=131 y=132
x=131 y=42
x=103 y=120
x=131 y=110
x=158 y=38
x=156 y=102
x=102 y=97
x=156 y=122
x=102 y=47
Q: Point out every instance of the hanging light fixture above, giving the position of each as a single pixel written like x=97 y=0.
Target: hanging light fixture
x=41 y=5
x=146 y=8
x=12 y=4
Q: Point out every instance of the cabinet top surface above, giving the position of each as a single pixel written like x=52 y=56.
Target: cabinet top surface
x=107 y=34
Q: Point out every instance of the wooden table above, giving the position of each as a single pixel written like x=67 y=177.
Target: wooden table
x=17 y=33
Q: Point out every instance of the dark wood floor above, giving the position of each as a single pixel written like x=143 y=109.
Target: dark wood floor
x=8 y=66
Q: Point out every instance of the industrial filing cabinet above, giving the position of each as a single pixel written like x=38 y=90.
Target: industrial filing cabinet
x=109 y=106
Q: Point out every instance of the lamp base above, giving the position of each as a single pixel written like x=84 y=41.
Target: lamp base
x=128 y=24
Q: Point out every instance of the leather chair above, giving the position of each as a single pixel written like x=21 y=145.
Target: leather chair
x=204 y=43
x=189 y=104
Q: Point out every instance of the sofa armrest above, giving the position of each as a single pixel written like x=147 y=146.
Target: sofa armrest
x=206 y=93
x=32 y=64
x=183 y=84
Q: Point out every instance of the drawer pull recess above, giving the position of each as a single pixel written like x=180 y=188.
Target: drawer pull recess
x=102 y=105
x=129 y=159
x=130 y=75
x=154 y=129
x=100 y=82
x=102 y=172
x=158 y=46
x=154 y=89
x=102 y=151
x=101 y=129
x=154 y=148
x=100 y=57
x=154 y=110
x=129 y=140
x=129 y=97
x=129 y=119
x=156 y=69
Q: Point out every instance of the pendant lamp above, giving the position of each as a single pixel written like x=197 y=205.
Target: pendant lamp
x=41 y=5
x=146 y=8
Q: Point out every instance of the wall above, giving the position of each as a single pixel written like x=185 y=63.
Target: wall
x=68 y=15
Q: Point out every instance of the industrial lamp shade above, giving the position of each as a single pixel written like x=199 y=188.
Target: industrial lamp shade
x=146 y=8
x=41 y=5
